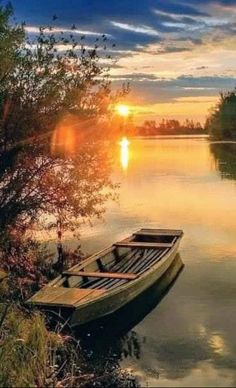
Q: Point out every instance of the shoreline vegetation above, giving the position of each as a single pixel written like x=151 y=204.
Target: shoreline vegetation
x=169 y=127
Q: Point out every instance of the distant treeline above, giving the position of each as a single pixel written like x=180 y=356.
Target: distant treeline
x=170 y=127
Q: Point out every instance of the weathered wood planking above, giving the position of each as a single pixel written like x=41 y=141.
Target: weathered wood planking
x=134 y=244
x=110 y=275
x=48 y=294
x=72 y=296
x=65 y=296
x=159 y=232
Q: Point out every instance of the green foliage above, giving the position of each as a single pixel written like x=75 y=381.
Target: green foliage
x=221 y=123
x=11 y=39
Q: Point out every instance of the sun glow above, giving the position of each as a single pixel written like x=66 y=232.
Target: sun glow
x=124 y=153
x=123 y=110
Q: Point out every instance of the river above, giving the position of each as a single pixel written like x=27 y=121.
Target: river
x=188 y=338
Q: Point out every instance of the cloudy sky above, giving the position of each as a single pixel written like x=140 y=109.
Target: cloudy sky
x=177 y=54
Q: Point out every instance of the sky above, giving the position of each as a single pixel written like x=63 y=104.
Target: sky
x=177 y=54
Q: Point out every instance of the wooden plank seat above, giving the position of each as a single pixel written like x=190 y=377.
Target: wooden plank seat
x=138 y=260
x=110 y=275
x=159 y=232
x=116 y=282
x=121 y=266
x=125 y=268
x=135 y=262
x=135 y=266
x=134 y=244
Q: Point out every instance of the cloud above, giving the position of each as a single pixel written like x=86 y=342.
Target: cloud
x=179 y=8
x=138 y=29
x=151 y=89
x=173 y=49
x=184 y=81
x=189 y=39
x=222 y=2
x=57 y=30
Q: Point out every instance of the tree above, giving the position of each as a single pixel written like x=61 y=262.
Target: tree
x=46 y=83
x=11 y=39
x=52 y=102
x=221 y=123
x=44 y=90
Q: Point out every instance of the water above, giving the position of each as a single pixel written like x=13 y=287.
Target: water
x=187 y=337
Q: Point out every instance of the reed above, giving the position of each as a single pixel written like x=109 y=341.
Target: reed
x=26 y=347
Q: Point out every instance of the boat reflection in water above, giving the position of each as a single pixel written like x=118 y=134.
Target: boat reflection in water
x=113 y=335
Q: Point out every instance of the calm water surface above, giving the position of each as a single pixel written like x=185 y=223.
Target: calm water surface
x=189 y=338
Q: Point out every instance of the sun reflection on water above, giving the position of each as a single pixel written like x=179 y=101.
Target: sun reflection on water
x=124 y=153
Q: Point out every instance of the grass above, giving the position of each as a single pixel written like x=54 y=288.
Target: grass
x=26 y=347
x=33 y=356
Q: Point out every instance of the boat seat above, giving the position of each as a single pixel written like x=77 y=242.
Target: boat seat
x=110 y=275
x=159 y=232
x=134 y=244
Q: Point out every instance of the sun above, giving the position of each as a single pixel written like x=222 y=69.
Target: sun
x=123 y=110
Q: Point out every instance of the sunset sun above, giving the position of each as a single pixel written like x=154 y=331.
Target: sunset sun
x=123 y=110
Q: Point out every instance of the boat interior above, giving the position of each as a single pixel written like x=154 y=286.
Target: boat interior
x=122 y=262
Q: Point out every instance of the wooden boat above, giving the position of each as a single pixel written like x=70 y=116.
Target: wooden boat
x=106 y=281
x=119 y=323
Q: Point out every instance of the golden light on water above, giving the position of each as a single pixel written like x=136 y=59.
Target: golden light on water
x=123 y=110
x=124 y=153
